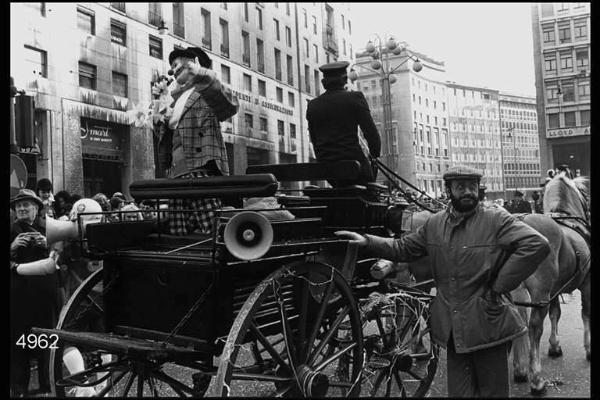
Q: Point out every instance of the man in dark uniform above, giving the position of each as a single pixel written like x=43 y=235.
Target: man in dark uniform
x=333 y=118
x=519 y=205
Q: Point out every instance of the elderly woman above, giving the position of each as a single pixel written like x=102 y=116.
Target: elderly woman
x=34 y=298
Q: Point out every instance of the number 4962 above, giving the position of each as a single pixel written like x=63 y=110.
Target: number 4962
x=41 y=341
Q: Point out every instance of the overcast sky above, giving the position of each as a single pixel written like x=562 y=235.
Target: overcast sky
x=483 y=44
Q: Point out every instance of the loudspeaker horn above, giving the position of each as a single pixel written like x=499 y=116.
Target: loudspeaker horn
x=248 y=235
x=57 y=231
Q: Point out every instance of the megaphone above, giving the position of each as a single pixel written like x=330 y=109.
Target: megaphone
x=57 y=231
x=248 y=235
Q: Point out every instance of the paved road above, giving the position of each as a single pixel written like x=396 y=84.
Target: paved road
x=569 y=375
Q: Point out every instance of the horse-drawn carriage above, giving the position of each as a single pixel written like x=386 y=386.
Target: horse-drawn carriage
x=272 y=303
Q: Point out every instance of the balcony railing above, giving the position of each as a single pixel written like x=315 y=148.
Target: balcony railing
x=207 y=43
x=329 y=39
x=225 y=51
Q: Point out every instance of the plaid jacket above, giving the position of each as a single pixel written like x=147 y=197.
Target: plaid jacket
x=199 y=130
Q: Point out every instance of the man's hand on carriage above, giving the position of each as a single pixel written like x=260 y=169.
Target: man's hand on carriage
x=353 y=237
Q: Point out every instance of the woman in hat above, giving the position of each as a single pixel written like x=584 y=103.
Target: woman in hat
x=34 y=298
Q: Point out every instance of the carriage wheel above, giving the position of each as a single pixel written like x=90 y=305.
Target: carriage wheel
x=401 y=357
x=100 y=373
x=297 y=335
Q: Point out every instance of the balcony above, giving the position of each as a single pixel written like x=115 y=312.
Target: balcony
x=207 y=43
x=225 y=51
x=329 y=40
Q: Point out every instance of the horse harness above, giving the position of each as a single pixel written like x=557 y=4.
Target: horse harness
x=579 y=225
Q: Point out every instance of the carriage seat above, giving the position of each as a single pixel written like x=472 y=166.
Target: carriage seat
x=234 y=186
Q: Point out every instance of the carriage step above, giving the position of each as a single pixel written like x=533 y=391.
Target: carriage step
x=123 y=345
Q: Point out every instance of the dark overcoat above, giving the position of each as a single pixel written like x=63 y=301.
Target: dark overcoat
x=333 y=121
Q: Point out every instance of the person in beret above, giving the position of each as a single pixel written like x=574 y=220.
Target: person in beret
x=34 y=299
x=190 y=143
x=520 y=206
x=478 y=255
x=333 y=121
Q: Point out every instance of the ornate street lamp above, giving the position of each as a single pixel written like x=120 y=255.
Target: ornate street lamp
x=381 y=65
x=163 y=29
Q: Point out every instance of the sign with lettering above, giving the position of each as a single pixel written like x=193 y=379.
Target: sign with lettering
x=99 y=134
x=568 y=132
x=263 y=103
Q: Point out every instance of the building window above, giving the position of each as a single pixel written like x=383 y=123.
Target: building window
x=263 y=124
x=548 y=34
x=552 y=92
x=291 y=99
x=584 y=89
x=307 y=78
x=278 y=64
x=553 y=121
x=156 y=49
x=292 y=131
x=246 y=13
x=37 y=61
x=154 y=14
x=426 y=102
x=206 y=38
x=224 y=37
x=262 y=88
x=178 y=20
x=118 y=32
x=570 y=119
x=564 y=33
x=279 y=94
x=277 y=36
x=568 y=91
x=316 y=49
x=290 y=70
x=314 y=24
x=225 y=74
x=259 y=21
x=248 y=120
x=306 y=48
x=582 y=58
x=260 y=55
x=287 y=8
x=305 y=17
x=344 y=46
x=550 y=63
x=566 y=61
x=246 y=48
x=563 y=6
x=585 y=117
x=580 y=29
x=86 y=21
x=247 y=83
x=288 y=36
x=117 y=6
x=317 y=86
x=119 y=84
x=280 y=128
x=87 y=75
x=547 y=9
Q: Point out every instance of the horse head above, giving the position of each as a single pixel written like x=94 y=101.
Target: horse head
x=565 y=195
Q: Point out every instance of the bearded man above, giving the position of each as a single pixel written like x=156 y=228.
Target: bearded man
x=478 y=255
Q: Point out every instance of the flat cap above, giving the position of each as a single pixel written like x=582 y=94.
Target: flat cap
x=334 y=69
x=462 y=172
x=26 y=194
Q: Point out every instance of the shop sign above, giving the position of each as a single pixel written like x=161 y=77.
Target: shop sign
x=568 y=132
x=263 y=103
x=97 y=134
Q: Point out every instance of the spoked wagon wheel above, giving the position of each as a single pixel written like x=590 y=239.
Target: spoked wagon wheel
x=401 y=357
x=297 y=335
x=79 y=370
